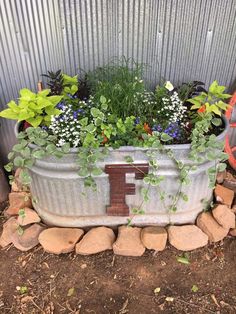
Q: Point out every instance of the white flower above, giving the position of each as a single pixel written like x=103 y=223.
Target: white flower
x=169 y=86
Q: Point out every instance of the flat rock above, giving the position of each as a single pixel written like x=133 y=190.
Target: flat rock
x=18 y=201
x=154 y=238
x=60 y=240
x=29 y=238
x=224 y=195
x=27 y=216
x=207 y=223
x=9 y=227
x=233 y=232
x=233 y=209
x=129 y=242
x=187 y=238
x=224 y=216
x=96 y=240
x=17 y=172
x=17 y=185
x=230 y=181
x=221 y=177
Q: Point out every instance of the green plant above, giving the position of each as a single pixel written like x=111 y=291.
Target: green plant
x=33 y=143
x=120 y=82
x=57 y=81
x=35 y=108
x=121 y=112
x=190 y=90
x=210 y=104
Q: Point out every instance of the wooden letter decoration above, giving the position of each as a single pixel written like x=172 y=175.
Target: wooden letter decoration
x=119 y=188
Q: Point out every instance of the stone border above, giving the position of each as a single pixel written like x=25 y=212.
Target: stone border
x=25 y=231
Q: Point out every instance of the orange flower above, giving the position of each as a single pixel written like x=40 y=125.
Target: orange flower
x=202 y=109
x=147 y=128
x=105 y=139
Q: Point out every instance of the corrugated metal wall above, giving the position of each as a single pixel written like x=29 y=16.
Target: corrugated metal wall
x=180 y=40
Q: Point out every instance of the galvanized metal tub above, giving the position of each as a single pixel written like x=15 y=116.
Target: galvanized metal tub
x=62 y=200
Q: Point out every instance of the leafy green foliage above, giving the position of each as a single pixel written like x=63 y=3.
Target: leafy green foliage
x=120 y=82
x=121 y=113
x=33 y=143
x=36 y=109
x=211 y=102
x=189 y=90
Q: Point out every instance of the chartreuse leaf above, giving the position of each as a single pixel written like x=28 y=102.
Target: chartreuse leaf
x=44 y=92
x=215 y=109
x=69 y=80
x=35 y=121
x=183 y=259
x=9 y=114
x=194 y=288
x=32 y=107
x=26 y=94
x=213 y=87
x=222 y=105
x=196 y=103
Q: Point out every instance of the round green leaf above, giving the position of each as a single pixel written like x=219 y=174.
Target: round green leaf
x=216 y=121
x=38 y=154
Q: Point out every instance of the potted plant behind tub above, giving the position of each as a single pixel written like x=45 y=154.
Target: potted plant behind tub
x=123 y=154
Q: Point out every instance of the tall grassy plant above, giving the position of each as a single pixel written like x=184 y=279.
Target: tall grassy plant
x=121 y=82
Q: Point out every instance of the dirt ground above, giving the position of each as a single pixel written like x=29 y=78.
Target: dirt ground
x=104 y=283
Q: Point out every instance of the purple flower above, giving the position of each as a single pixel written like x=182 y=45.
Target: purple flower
x=157 y=128
x=80 y=111
x=60 y=105
x=173 y=130
x=137 y=121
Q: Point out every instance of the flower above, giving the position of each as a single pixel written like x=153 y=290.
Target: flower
x=137 y=121
x=202 y=109
x=169 y=86
x=147 y=128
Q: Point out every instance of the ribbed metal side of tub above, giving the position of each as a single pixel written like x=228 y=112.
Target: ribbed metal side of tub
x=61 y=199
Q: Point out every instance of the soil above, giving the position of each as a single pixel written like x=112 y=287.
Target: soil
x=104 y=283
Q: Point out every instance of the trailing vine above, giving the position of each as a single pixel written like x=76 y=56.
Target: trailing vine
x=95 y=126
x=36 y=143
